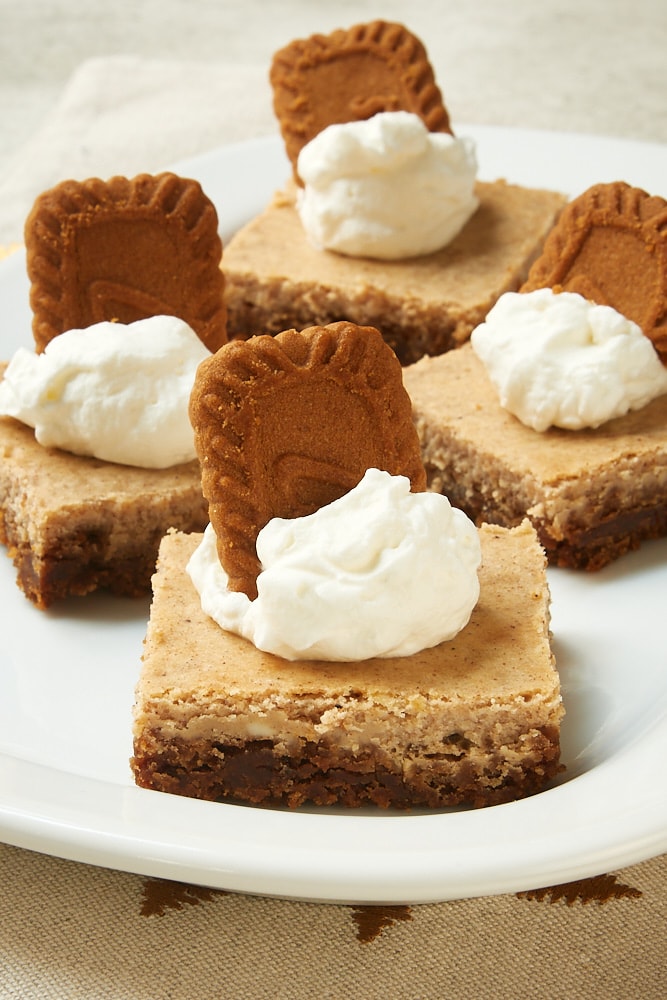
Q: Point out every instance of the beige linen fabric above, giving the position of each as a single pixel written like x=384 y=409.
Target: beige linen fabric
x=126 y=104
x=137 y=86
x=70 y=931
x=126 y=115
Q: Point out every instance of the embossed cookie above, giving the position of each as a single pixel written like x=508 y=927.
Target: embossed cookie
x=286 y=424
x=124 y=250
x=351 y=75
x=610 y=245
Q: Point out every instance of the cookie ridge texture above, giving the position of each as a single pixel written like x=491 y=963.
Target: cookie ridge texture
x=288 y=423
x=122 y=250
x=610 y=245
x=350 y=75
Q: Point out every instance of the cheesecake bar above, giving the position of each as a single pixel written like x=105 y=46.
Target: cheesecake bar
x=116 y=251
x=473 y=721
x=73 y=524
x=276 y=279
x=592 y=495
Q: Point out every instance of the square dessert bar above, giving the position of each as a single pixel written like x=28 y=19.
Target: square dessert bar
x=472 y=721
x=276 y=279
x=592 y=495
x=73 y=524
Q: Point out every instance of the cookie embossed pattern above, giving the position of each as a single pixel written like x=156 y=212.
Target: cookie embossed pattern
x=308 y=413
x=122 y=250
x=277 y=274
x=610 y=245
x=351 y=75
x=71 y=522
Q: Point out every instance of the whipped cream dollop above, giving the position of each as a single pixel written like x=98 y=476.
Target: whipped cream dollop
x=112 y=391
x=385 y=187
x=559 y=360
x=380 y=572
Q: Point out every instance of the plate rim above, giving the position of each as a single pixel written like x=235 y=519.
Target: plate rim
x=63 y=827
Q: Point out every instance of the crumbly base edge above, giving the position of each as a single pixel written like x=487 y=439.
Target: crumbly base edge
x=323 y=773
x=411 y=330
x=581 y=524
x=101 y=546
x=261 y=302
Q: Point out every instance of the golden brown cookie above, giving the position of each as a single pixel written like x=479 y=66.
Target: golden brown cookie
x=124 y=250
x=351 y=75
x=610 y=245
x=286 y=424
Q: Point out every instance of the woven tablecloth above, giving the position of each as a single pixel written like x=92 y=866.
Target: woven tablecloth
x=137 y=86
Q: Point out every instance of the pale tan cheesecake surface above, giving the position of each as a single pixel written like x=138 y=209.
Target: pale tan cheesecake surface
x=592 y=494
x=276 y=279
x=472 y=720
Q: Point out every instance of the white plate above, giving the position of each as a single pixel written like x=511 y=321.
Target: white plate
x=67 y=679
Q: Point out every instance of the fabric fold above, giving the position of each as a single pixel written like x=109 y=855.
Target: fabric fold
x=125 y=115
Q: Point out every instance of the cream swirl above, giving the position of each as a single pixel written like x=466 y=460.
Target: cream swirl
x=558 y=360
x=385 y=187
x=380 y=572
x=115 y=392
